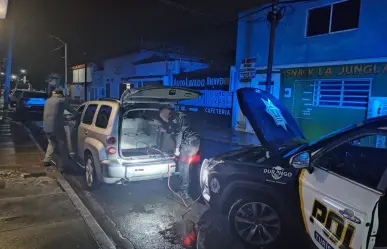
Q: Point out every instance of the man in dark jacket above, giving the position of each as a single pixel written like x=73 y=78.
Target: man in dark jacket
x=53 y=123
x=187 y=142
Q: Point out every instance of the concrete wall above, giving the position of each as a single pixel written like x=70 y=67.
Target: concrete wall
x=292 y=46
x=122 y=67
x=316 y=120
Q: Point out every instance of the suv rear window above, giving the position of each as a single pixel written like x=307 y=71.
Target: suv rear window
x=34 y=95
x=89 y=114
x=103 y=116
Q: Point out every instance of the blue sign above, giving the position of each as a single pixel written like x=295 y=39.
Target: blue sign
x=211 y=98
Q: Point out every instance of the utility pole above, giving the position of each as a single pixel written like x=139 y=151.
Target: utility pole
x=273 y=16
x=64 y=44
x=85 y=85
x=66 y=70
x=8 y=72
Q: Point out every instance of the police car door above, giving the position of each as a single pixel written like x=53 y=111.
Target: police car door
x=338 y=212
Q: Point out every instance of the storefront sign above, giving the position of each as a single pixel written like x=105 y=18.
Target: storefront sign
x=211 y=98
x=345 y=70
x=247 y=70
x=203 y=83
x=199 y=116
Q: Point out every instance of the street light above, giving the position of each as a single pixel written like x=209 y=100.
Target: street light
x=23 y=71
x=14 y=77
x=64 y=44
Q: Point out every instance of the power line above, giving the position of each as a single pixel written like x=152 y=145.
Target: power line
x=184 y=8
x=217 y=27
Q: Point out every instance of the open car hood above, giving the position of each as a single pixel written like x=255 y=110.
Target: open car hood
x=158 y=95
x=272 y=122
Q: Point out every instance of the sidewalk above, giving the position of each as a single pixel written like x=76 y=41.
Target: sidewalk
x=36 y=209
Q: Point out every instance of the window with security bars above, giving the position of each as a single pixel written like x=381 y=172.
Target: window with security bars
x=350 y=93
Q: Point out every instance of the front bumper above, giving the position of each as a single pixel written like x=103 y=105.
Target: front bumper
x=114 y=171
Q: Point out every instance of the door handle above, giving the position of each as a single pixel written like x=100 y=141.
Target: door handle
x=85 y=133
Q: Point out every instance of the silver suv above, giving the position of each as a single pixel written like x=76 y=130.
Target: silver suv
x=119 y=141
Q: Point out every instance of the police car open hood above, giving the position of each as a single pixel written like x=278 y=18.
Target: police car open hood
x=273 y=124
x=167 y=95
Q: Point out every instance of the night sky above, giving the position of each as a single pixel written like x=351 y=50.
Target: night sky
x=108 y=28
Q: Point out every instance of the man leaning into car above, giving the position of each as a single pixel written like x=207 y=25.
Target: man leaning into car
x=187 y=143
x=53 y=123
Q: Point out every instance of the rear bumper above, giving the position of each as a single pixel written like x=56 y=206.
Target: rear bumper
x=114 y=171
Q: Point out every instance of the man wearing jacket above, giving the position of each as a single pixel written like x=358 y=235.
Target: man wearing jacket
x=53 y=123
x=187 y=143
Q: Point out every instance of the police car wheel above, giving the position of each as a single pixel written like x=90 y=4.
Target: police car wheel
x=255 y=222
x=91 y=179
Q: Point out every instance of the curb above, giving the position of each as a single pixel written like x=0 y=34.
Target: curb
x=96 y=231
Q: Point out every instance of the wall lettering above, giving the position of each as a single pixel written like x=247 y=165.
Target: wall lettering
x=346 y=70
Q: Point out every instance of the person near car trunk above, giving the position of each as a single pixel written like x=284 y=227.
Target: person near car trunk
x=53 y=125
x=187 y=143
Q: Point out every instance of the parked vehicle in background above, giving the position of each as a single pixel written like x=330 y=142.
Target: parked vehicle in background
x=120 y=141
x=14 y=97
x=330 y=192
x=27 y=101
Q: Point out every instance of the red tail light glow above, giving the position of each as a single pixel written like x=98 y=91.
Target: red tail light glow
x=191 y=159
x=111 y=140
x=111 y=150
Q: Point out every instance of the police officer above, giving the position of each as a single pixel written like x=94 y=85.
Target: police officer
x=53 y=123
x=187 y=143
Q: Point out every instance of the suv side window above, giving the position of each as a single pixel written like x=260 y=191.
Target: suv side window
x=103 y=116
x=89 y=114
x=363 y=160
x=80 y=109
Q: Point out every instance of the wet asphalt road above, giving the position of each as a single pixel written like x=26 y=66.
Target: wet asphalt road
x=138 y=215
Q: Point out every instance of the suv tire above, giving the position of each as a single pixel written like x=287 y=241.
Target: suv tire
x=260 y=213
x=91 y=180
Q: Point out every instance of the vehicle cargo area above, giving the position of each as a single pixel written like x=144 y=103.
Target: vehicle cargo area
x=141 y=136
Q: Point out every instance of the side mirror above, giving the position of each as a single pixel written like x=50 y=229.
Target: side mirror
x=302 y=161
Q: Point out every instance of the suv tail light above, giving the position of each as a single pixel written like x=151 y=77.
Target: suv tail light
x=111 y=140
x=112 y=150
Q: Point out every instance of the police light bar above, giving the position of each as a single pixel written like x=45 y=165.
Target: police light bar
x=3 y=8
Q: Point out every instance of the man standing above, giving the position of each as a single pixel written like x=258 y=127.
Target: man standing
x=53 y=123
x=187 y=143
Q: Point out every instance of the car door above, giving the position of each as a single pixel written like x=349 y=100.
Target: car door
x=84 y=127
x=339 y=206
x=74 y=127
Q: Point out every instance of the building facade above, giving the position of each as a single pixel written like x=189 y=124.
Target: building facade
x=329 y=59
x=214 y=107
x=144 y=69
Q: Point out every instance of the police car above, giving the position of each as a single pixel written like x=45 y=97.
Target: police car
x=330 y=191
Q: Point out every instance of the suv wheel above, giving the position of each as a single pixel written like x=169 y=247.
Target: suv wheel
x=91 y=179
x=256 y=222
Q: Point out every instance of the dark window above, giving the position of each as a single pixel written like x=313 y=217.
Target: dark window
x=17 y=94
x=345 y=15
x=103 y=116
x=80 y=109
x=339 y=16
x=27 y=94
x=363 y=160
x=318 y=21
x=89 y=114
